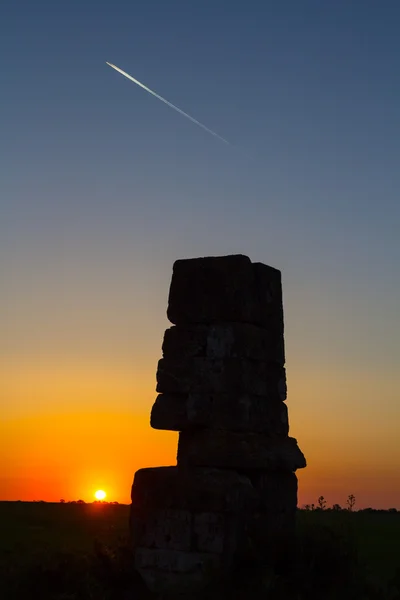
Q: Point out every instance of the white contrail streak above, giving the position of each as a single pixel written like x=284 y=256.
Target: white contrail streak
x=169 y=104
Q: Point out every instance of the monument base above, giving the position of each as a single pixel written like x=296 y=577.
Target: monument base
x=190 y=526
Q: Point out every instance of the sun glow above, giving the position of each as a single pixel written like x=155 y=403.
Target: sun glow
x=100 y=495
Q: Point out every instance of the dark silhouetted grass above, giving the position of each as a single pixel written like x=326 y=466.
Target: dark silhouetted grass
x=81 y=552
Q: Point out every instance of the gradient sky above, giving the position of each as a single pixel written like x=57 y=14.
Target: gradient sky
x=102 y=187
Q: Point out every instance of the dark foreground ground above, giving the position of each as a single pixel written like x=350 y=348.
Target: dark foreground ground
x=80 y=552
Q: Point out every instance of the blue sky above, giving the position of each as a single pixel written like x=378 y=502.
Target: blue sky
x=94 y=167
x=103 y=186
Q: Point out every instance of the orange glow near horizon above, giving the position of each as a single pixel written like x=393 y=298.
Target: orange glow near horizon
x=53 y=451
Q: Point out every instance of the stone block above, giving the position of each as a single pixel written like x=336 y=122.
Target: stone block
x=196 y=490
x=172 y=571
x=187 y=523
x=235 y=412
x=224 y=288
x=226 y=340
x=243 y=451
x=267 y=293
x=177 y=529
x=231 y=376
x=162 y=528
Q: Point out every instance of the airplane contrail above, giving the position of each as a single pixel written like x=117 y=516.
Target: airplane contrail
x=169 y=104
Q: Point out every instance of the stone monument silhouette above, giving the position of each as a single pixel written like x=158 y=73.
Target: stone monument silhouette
x=222 y=386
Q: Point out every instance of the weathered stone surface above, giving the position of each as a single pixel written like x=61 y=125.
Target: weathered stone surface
x=175 y=529
x=183 y=547
x=232 y=450
x=225 y=288
x=195 y=489
x=210 y=532
x=162 y=528
x=175 y=571
x=178 y=412
x=226 y=340
x=230 y=376
x=185 y=341
x=185 y=523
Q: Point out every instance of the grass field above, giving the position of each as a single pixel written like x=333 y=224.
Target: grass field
x=79 y=551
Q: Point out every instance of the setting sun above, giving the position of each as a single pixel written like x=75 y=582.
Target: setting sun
x=100 y=495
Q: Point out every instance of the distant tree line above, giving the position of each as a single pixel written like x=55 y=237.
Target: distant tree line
x=321 y=505
x=350 y=506
x=62 y=501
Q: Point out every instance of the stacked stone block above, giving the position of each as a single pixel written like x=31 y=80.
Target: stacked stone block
x=222 y=386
